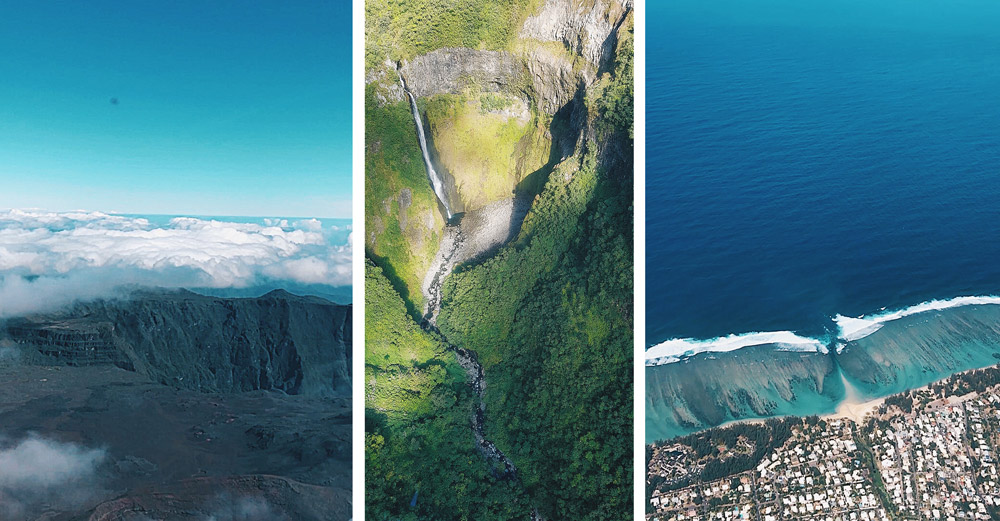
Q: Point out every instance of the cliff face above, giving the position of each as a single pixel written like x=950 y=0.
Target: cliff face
x=449 y=70
x=540 y=74
x=590 y=31
x=499 y=117
x=71 y=341
x=559 y=50
x=299 y=345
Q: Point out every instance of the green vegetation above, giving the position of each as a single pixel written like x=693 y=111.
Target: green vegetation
x=974 y=381
x=708 y=445
x=903 y=401
x=398 y=350
x=402 y=29
x=551 y=321
x=491 y=102
x=487 y=152
x=417 y=434
x=550 y=318
x=616 y=104
x=402 y=220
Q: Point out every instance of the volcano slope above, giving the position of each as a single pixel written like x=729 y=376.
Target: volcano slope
x=527 y=109
x=169 y=405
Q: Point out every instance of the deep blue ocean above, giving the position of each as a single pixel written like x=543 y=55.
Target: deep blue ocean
x=807 y=158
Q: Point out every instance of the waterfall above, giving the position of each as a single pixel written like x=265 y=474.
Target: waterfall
x=436 y=182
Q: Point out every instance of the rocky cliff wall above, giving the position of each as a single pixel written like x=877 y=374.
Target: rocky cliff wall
x=299 y=345
x=584 y=35
x=587 y=28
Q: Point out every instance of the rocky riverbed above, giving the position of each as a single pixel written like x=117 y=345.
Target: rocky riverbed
x=471 y=237
x=455 y=247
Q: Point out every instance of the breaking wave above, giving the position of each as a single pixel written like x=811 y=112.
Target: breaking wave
x=855 y=328
x=678 y=349
x=848 y=330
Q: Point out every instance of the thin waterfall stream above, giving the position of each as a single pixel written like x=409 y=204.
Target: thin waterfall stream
x=436 y=182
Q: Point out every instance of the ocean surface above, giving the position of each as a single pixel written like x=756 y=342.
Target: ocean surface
x=807 y=159
x=808 y=162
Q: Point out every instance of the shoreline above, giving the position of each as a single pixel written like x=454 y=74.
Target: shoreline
x=856 y=409
x=849 y=329
x=851 y=407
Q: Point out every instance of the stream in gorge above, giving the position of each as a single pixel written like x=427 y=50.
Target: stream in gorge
x=454 y=248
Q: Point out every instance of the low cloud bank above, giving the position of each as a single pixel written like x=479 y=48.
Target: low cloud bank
x=49 y=260
x=38 y=474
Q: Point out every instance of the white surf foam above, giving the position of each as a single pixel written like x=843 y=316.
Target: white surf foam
x=678 y=349
x=854 y=328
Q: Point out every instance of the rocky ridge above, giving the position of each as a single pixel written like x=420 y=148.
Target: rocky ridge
x=298 y=345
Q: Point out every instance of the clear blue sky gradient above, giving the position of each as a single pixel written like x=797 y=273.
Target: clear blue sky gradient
x=224 y=107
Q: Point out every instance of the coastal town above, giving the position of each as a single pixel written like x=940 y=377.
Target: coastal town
x=926 y=454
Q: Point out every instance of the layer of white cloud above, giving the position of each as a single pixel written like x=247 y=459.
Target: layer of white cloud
x=48 y=259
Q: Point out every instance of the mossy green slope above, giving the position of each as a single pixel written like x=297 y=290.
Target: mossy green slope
x=402 y=219
x=489 y=142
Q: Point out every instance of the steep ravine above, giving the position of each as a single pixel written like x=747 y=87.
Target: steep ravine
x=540 y=89
x=449 y=252
x=466 y=358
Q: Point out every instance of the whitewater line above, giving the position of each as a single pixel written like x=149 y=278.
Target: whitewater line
x=675 y=350
x=855 y=328
x=848 y=329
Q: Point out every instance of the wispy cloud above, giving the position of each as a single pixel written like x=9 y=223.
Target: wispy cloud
x=38 y=473
x=49 y=259
x=9 y=353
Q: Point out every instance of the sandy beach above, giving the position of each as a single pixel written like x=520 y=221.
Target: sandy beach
x=853 y=407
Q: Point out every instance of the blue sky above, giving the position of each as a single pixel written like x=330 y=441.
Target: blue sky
x=223 y=108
